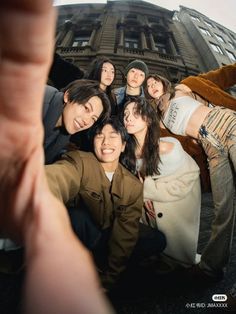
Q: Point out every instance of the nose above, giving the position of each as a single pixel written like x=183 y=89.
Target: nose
x=105 y=140
x=128 y=118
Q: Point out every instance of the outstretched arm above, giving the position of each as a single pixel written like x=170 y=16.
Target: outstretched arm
x=59 y=270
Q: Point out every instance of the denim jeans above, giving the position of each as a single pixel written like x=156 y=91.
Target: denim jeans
x=217 y=135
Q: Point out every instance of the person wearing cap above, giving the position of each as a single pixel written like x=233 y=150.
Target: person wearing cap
x=135 y=73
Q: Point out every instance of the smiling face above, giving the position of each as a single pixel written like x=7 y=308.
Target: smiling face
x=155 y=88
x=107 y=75
x=133 y=121
x=135 y=78
x=79 y=117
x=108 y=146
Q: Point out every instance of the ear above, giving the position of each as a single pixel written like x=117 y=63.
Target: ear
x=65 y=97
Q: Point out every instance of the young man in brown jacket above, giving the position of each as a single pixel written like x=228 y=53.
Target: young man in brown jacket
x=109 y=200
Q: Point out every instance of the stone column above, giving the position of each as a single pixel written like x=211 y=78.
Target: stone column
x=153 y=46
x=67 y=41
x=121 y=41
x=92 y=36
x=172 y=46
x=143 y=40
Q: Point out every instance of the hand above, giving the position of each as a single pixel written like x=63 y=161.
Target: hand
x=140 y=177
x=25 y=58
x=148 y=206
x=57 y=263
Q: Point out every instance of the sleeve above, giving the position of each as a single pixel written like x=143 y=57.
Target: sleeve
x=123 y=237
x=170 y=188
x=64 y=177
x=223 y=77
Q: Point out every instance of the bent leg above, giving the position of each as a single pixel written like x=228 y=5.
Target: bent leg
x=216 y=254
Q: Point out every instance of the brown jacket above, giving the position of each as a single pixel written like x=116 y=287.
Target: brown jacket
x=211 y=85
x=117 y=205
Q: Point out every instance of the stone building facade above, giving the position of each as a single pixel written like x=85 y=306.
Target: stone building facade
x=175 y=44
x=124 y=31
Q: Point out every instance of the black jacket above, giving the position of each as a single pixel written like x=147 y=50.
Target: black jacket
x=55 y=138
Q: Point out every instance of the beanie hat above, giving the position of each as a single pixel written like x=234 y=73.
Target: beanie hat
x=137 y=64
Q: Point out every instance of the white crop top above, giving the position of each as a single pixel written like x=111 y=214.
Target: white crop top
x=178 y=114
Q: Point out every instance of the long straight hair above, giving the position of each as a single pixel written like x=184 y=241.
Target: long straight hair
x=150 y=149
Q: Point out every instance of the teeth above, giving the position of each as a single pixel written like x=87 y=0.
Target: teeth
x=107 y=151
x=77 y=124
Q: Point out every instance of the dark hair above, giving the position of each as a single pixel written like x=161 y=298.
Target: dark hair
x=95 y=73
x=168 y=88
x=81 y=91
x=150 y=150
x=116 y=125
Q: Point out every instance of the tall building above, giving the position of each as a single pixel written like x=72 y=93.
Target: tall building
x=171 y=43
x=214 y=43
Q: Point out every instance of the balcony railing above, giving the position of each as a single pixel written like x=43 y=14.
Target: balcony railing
x=64 y=50
x=134 y=51
x=150 y=53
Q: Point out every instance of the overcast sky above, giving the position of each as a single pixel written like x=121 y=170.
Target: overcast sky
x=221 y=11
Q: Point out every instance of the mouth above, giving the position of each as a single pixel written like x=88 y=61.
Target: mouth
x=106 y=151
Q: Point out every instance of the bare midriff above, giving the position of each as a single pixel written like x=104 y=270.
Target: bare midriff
x=196 y=121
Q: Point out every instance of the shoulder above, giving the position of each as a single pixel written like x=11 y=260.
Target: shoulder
x=50 y=91
x=80 y=156
x=183 y=88
x=51 y=98
x=118 y=90
x=166 y=147
x=128 y=176
x=169 y=144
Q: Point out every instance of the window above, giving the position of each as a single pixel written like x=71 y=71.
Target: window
x=131 y=43
x=231 y=45
x=153 y=19
x=205 y=31
x=216 y=48
x=231 y=55
x=208 y=24
x=221 y=29
x=220 y=38
x=160 y=47
x=80 y=41
x=195 y=18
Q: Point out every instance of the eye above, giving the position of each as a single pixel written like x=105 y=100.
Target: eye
x=86 y=108
x=114 y=135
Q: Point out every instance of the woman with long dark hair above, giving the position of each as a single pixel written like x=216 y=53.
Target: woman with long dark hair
x=171 y=181
x=103 y=70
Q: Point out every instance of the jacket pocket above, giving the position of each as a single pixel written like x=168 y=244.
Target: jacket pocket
x=93 y=201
